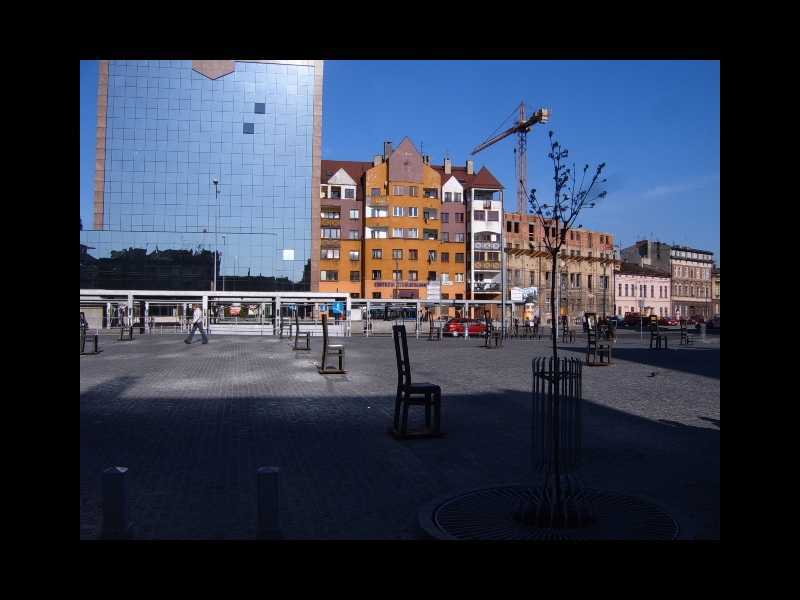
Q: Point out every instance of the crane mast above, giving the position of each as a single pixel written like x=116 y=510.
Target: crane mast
x=521 y=128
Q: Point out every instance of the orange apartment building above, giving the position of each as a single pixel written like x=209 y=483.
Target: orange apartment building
x=399 y=227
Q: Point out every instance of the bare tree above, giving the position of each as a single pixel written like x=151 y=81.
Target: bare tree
x=570 y=197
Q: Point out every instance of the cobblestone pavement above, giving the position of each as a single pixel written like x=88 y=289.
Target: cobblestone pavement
x=193 y=423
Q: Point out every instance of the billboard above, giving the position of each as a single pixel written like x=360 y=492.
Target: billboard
x=528 y=294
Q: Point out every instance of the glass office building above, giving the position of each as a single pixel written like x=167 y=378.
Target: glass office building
x=167 y=130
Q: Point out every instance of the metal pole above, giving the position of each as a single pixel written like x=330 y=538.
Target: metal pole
x=216 y=229
x=268 y=521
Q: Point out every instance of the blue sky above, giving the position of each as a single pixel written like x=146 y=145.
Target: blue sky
x=654 y=123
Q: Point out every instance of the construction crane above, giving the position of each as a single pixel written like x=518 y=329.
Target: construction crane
x=521 y=128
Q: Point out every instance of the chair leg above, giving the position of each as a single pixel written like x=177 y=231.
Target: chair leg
x=428 y=401
x=397 y=403
x=404 y=429
x=437 y=412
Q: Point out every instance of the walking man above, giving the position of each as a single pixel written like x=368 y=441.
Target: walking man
x=197 y=320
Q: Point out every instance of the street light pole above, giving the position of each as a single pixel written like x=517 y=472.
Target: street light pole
x=215 y=181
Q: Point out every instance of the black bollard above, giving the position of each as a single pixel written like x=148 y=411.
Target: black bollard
x=268 y=522
x=115 y=506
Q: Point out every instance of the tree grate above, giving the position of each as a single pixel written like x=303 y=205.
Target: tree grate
x=488 y=514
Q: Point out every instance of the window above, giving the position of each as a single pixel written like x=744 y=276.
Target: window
x=652 y=294
x=459 y=278
x=445 y=277
x=355 y=275
x=589 y=281
x=493 y=256
x=479 y=215
x=412 y=211
x=493 y=215
x=445 y=236
x=620 y=290
x=508 y=226
x=459 y=257
x=248 y=128
x=350 y=193
x=459 y=237
x=516 y=226
x=397 y=253
x=412 y=191
x=330 y=233
x=329 y=214
x=456 y=196
x=355 y=234
x=448 y=196
x=430 y=192
x=412 y=254
x=376 y=274
x=445 y=296
x=260 y=108
x=329 y=275
x=330 y=254
x=336 y=192
x=445 y=257
x=459 y=217
x=431 y=275
x=377 y=253
x=397 y=275
x=397 y=211
x=375 y=192
x=323 y=191
x=431 y=255
x=397 y=232
x=626 y=289
x=413 y=275
x=411 y=233
x=459 y=296
x=644 y=291
x=355 y=255
x=445 y=217
x=376 y=295
x=354 y=213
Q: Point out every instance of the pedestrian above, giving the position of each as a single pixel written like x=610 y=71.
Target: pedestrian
x=197 y=320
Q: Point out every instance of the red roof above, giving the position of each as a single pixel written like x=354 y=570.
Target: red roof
x=354 y=168
x=483 y=178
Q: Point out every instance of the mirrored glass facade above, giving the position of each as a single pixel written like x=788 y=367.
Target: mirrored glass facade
x=170 y=131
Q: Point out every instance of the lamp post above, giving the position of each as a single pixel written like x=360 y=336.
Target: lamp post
x=215 y=181
x=224 y=245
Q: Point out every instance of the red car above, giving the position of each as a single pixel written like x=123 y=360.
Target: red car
x=667 y=321
x=455 y=327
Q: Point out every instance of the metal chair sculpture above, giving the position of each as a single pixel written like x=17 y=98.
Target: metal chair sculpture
x=428 y=395
x=336 y=350
x=93 y=336
x=306 y=334
x=435 y=332
x=567 y=334
x=656 y=336
x=686 y=339
x=596 y=346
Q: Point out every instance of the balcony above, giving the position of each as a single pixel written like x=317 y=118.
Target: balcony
x=378 y=201
x=486 y=245
x=330 y=222
x=486 y=286
x=487 y=265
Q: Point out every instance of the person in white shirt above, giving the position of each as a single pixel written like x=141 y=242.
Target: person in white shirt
x=197 y=320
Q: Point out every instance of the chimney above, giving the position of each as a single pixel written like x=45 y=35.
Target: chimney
x=426 y=159
x=387 y=150
x=448 y=166
x=376 y=160
x=470 y=167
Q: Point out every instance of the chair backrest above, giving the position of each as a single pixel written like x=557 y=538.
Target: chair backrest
x=401 y=354
x=324 y=330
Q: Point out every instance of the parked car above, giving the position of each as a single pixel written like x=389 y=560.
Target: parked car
x=632 y=319
x=457 y=326
x=713 y=323
x=667 y=322
x=617 y=321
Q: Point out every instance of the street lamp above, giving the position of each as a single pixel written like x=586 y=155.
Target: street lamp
x=224 y=244
x=215 y=181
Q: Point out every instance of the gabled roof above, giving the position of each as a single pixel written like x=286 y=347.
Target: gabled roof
x=355 y=169
x=484 y=178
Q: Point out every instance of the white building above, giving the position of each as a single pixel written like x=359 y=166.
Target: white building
x=642 y=289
